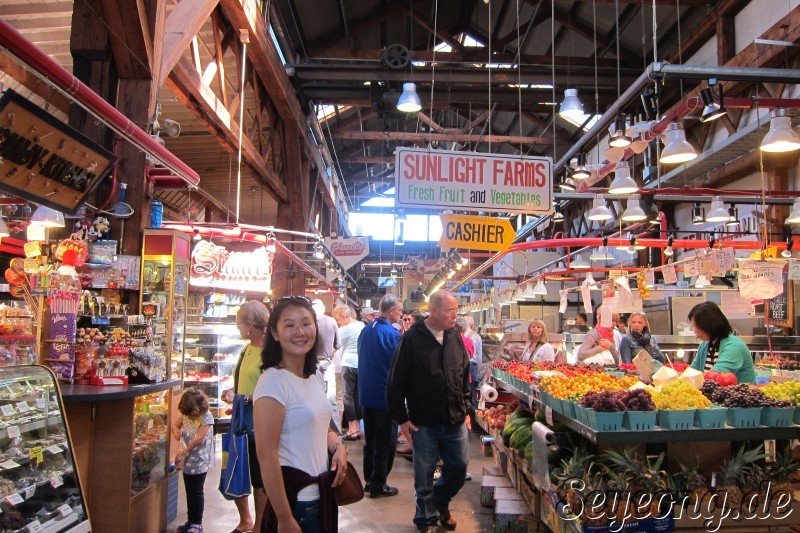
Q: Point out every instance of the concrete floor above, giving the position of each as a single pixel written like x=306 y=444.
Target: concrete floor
x=382 y=515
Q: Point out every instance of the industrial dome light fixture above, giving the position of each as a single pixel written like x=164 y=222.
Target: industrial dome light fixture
x=780 y=137
x=47 y=217
x=619 y=137
x=711 y=109
x=580 y=263
x=599 y=211
x=702 y=281
x=558 y=216
x=733 y=211
x=699 y=214
x=567 y=185
x=540 y=289
x=409 y=101
x=718 y=211
x=794 y=216
x=623 y=183
x=634 y=212
x=787 y=253
x=581 y=171
x=571 y=105
x=676 y=148
x=669 y=251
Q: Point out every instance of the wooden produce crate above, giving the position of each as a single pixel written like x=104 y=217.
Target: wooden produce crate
x=488 y=487
x=511 y=516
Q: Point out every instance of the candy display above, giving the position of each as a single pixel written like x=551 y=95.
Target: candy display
x=150 y=444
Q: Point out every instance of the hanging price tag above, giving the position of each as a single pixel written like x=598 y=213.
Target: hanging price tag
x=7 y=410
x=726 y=259
x=65 y=510
x=13 y=432
x=23 y=407
x=54 y=449
x=41 y=403
x=30 y=491
x=36 y=456
x=670 y=276
x=15 y=499
x=562 y=304
x=794 y=269
x=690 y=268
x=649 y=278
x=586 y=295
x=8 y=465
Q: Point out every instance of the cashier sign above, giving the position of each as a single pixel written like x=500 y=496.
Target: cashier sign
x=471 y=181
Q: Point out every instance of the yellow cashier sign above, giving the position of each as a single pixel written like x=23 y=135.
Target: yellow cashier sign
x=476 y=233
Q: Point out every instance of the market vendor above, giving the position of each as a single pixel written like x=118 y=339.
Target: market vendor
x=721 y=350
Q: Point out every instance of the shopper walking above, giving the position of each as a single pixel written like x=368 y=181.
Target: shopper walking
x=476 y=362
x=376 y=348
x=328 y=334
x=430 y=373
x=193 y=430
x=251 y=320
x=349 y=330
x=292 y=421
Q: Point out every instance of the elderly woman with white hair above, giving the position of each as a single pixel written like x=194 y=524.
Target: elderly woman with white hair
x=349 y=330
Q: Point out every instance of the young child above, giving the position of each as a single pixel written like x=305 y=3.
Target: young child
x=193 y=430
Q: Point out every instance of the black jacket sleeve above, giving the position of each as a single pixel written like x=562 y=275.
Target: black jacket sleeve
x=397 y=383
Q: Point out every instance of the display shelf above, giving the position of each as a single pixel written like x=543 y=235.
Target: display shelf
x=657 y=435
x=30 y=426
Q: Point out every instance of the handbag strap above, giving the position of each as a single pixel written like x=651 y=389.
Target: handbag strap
x=238 y=368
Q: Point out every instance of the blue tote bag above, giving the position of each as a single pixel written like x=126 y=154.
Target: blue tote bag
x=235 y=480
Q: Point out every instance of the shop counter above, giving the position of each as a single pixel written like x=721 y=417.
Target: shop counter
x=123 y=450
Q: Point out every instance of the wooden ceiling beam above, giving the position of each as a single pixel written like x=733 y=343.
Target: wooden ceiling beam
x=187 y=85
x=700 y=34
x=180 y=28
x=511 y=36
x=441 y=137
x=23 y=76
x=132 y=44
x=438 y=33
x=369 y=160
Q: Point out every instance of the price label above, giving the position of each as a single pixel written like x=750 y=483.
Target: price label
x=15 y=499
x=65 y=510
x=794 y=269
x=726 y=259
x=30 y=491
x=41 y=403
x=690 y=268
x=562 y=304
x=13 y=432
x=56 y=481
x=34 y=527
x=649 y=278
x=7 y=410
x=670 y=276
x=548 y=415
x=36 y=455
x=23 y=407
x=8 y=465
x=54 y=449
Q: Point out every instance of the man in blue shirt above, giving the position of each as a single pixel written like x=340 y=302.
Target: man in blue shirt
x=376 y=347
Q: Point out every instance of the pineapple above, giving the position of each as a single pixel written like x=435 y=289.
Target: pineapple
x=646 y=474
x=570 y=470
x=734 y=473
x=781 y=472
x=594 y=482
x=695 y=484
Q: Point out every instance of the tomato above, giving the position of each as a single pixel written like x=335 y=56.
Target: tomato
x=711 y=375
x=726 y=378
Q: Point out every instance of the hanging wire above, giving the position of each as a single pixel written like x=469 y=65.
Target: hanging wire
x=228 y=200
x=241 y=132
x=553 y=74
x=680 y=42
x=519 y=76
x=619 y=81
x=594 y=43
x=433 y=62
x=489 y=65
x=336 y=159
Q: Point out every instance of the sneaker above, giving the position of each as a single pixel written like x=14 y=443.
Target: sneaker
x=184 y=528
x=446 y=519
x=194 y=528
x=385 y=493
x=427 y=529
x=468 y=477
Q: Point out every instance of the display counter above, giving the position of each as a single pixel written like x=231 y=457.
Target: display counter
x=123 y=449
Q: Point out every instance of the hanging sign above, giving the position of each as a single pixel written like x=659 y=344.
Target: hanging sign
x=348 y=251
x=760 y=279
x=780 y=310
x=217 y=267
x=44 y=160
x=476 y=233
x=366 y=288
x=444 y=179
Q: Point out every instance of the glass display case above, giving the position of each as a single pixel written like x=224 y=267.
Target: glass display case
x=39 y=486
x=210 y=356
x=150 y=427
x=165 y=283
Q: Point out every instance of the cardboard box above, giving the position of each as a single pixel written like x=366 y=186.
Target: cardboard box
x=488 y=487
x=531 y=497
x=492 y=471
x=500 y=458
x=508 y=494
x=508 y=517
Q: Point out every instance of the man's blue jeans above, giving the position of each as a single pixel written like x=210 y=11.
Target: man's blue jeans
x=430 y=443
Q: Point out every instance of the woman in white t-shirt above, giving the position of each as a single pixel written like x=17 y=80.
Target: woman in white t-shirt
x=538 y=349
x=292 y=425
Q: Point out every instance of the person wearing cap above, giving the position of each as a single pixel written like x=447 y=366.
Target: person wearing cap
x=367 y=315
x=328 y=337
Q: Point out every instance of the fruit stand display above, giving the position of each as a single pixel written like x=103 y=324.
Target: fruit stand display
x=700 y=438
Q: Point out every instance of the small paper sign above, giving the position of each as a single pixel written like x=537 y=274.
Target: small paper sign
x=794 y=270
x=41 y=403
x=7 y=410
x=586 y=295
x=562 y=305
x=760 y=279
x=616 y=274
x=708 y=264
x=23 y=407
x=548 y=415
x=606 y=318
x=690 y=268
x=649 y=278
x=13 y=432
x=734 y=306
x=65 y=510
x=9 y=465
x=36 y=456
x=15 y=499
x=56 y=481
x=726 y=259
x=30 y=491
x=34 y=527
x=54 y=449
x=670 y=276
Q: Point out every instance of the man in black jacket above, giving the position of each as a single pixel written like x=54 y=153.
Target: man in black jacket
x=430 y=374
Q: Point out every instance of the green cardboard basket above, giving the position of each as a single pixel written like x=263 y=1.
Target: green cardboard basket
x=640 y=420
x=605 y=421
x=682 y=419
x=712 y=418
x=777 y=417
x=744 y=417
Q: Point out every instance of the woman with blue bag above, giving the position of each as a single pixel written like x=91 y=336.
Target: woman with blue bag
x=292 y=424
x=252 y=323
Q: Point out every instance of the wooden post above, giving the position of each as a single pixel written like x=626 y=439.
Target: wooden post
x=288 y=279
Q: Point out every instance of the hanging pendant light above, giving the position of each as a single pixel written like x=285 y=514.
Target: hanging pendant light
x=518 y=296
x=676 y=148
x=409 y=101
x=699 y=214
x=48 y=218
x=718 y=211
x=733 y=211
x=787 y=253
x=602 y=253
x=634 y=212
x=702 y=281
x=619 y=137
x=711 y=109
x=567 y=185
x=780 y=137
x=590 y=281
x=669 y=251
x=540 y=289
x=571 y=106
x=558 y=216
x=528 y=293
x=599 y=210
x=580 y=263
x=581 y=171
x=623 y=182
x=794 y=216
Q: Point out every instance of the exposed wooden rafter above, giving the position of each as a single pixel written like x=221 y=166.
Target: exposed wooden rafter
x=180 y=29
x=440 y=137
